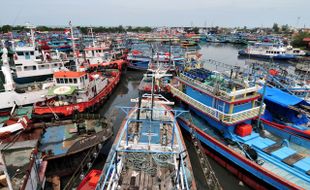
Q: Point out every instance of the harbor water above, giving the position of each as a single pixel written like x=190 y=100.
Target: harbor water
x=128 y=89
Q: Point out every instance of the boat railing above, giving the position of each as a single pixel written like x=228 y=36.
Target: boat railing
x=113 y=169
x=224 y=95
x=219 y=115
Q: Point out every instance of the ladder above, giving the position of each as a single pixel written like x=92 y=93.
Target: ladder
x=208 y=172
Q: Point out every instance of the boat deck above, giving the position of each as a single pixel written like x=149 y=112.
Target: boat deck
x=70 y=137
x=285 y=159
x=143 y=172
x=147 y=153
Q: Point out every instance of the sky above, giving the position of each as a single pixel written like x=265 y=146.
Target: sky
x=223 y=13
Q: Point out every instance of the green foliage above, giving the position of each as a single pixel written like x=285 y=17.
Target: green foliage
x=285 y=28
x=6 y=28
x=275 y=28
x=83 y=29
x=298 y=39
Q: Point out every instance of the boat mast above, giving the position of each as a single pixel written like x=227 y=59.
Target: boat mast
x=31 y=27
x=73 y=46
x=92 y=36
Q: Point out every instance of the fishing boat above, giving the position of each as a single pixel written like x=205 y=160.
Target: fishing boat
x=286 y=113
x=139 y=56
x=76 y=92
x=64 y=144
x=260 y=160
x=231 y=107
x=268 y=51
x=96 y=52
x=222 y=101
x=284 y=79
x=148 y=152
x=21 y=167
x=31 y=65
x=291 y=84
x=17 y=95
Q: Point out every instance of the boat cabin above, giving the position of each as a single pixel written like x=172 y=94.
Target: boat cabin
x=79 y=80
x=26 y=54
x=95 y=51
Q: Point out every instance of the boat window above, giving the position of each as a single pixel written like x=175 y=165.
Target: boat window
x=27 y=55
x=20 y=53
x=34 y=67
x=278 y=52
x=74 y=80
x=61 y=80
x=70 y=80
x=31 y=53
x=57 y=80
x=66 y=80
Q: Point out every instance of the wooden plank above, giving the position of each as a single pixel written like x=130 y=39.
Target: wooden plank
x=141 y=180
x=138 y=179
x=126 y=180
x=291 y=160
x=273 y=148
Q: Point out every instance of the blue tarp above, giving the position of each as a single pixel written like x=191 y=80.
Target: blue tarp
x=278 y=96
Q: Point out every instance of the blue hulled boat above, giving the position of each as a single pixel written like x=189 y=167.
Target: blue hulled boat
x=286 y=113
x=139 y=57
x=148 y=152
x=230 y=107
x=262 y=161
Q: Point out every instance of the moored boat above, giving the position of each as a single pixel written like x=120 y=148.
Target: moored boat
x=285 y=113
x=21 y=167
x=267 y=51
x=230 y=107
x=15 y=95
x=148 y=152
x=76 y=92
x=64 y=144
x=260 y=160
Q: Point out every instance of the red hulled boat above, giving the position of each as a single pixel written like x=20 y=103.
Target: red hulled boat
x=76 y=92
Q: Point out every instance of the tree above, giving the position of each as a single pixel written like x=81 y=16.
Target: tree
x=6 y=28
x=285 y=28
x=195 y=30
x=298 y=39
x=275 y=28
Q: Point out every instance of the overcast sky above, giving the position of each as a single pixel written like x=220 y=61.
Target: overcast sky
x=248 y=13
